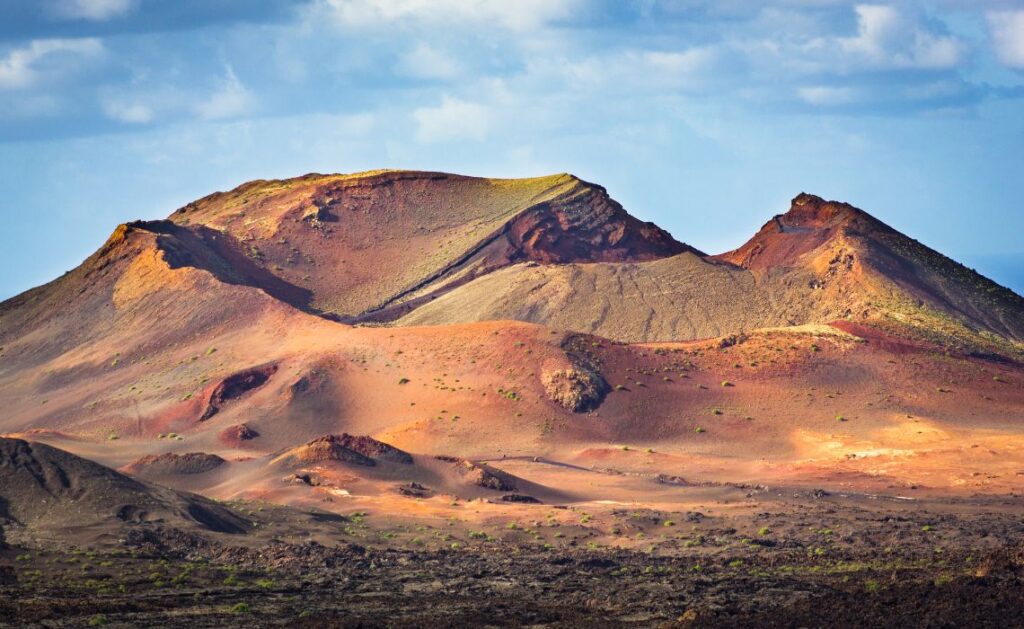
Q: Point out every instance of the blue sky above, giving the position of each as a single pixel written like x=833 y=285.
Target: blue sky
x=703 y=116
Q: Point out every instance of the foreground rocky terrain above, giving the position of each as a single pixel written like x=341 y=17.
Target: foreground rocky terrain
x=411 y=398
x=801 y=559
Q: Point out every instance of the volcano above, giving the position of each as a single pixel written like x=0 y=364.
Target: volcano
x=437 y=362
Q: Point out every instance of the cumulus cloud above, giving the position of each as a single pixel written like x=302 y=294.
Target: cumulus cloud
x=516 y=15
x=1007 y=29
x=232 y=99
x=888 y=38
x=95 y=10
x=24 y=67
x=453 y=119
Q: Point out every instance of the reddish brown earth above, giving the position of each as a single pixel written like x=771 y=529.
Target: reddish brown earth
x=845 y=361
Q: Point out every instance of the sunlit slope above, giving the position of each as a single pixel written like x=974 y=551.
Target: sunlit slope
x=367 y=245
x=820 y=262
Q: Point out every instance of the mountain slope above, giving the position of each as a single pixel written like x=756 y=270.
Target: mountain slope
x=677 y=298
x=366 y=246
x=820 y=262
x=46 y=490
x=867 y=266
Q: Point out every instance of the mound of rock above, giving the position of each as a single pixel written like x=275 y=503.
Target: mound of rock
x=377 y=450
x=323 y=450
x=576 y=388
x=237 y=434
x=170 y=463
x=358 y=450
x=480 y=474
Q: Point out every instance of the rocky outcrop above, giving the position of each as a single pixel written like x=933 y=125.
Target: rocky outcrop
x=238 y=434
x=346 y=448
x=234 y=387
x=324 y=450
x=377 y=450
x=480 y=474
x=576 y=388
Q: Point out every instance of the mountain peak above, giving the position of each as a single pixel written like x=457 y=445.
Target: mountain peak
x=810 y=222
x=808 y=210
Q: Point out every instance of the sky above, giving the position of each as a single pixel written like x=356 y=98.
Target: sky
x=703 y=116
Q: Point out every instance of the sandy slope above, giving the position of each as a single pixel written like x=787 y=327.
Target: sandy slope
x=682 y=297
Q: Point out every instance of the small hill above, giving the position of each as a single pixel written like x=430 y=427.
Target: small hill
x=344 y=448
x=46 y=490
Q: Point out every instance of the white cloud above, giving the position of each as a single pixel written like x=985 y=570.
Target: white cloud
x=131 y=113
x=453 y=119
x=1007 y=28
x=686 y=70
x=427 y=62
x=826 y=96
x=19 y=69
x=95 y=10
x=885 y=37
x=517 y=15
x=231 y=100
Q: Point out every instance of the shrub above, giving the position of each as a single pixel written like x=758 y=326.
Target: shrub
x=241 y=608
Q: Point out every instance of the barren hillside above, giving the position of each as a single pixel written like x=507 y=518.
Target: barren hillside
x=366 y=245
x=820 y=262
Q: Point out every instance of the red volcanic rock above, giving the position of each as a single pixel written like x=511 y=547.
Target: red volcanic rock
x=235 y=435
x=235 y=386
x=370 y=447
x=586 y=225
x=810 y=222
x=359 y=450
x=480 y=474
x=325 y=449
